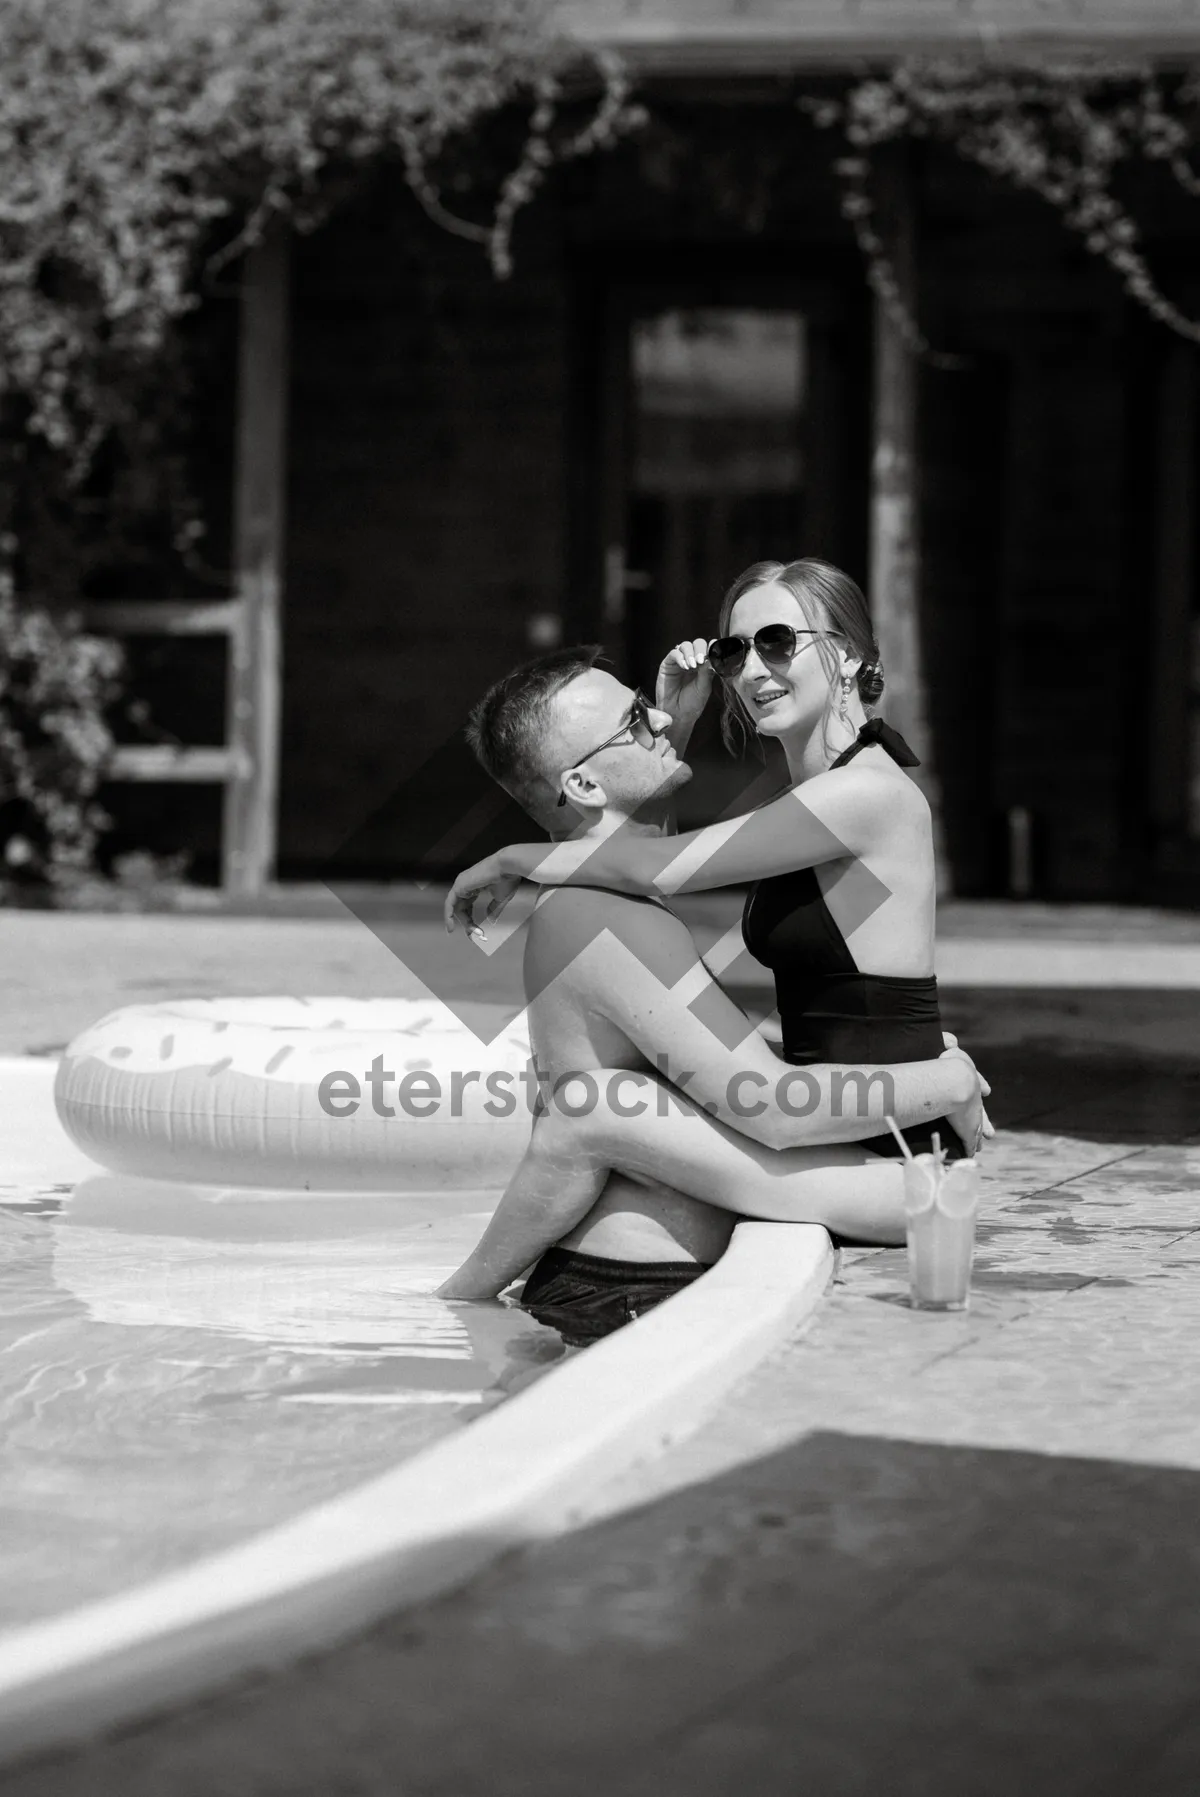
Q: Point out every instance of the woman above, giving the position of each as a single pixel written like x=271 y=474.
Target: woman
x=843 y=906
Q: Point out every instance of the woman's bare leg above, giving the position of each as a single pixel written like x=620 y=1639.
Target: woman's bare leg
x=846 y=1188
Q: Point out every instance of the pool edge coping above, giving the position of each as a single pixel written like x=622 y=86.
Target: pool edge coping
x=523 y=1472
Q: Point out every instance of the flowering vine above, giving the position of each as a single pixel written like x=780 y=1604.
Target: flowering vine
x=135 y=133
x=1059 y=130
x=144 y=145
x=55 y=683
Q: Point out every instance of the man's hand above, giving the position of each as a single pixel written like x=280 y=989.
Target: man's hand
x=485 y=880
x=971 y=1122
x=684 y=683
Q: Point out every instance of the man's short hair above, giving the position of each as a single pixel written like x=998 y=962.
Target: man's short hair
x=507 y=727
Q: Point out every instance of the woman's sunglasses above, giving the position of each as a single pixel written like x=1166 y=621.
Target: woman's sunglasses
x=776 y=645
x=637 y=728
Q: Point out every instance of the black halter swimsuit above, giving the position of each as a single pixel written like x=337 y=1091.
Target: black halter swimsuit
x=829 y=1010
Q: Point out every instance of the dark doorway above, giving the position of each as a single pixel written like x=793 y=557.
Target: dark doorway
x=732 y=426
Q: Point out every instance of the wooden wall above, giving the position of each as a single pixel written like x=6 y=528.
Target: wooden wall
x=426 y=507
x=1038 y=504
x=445 y=462
x=443 y=472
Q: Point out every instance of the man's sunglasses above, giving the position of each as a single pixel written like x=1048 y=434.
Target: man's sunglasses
x=637 y=728
x=776 y=645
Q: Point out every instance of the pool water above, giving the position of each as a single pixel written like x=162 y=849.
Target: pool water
x=181 y=1368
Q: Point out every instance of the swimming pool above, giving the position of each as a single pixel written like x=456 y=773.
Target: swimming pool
x=182 y=1368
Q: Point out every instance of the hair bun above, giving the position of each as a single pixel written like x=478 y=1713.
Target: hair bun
x=870 y=682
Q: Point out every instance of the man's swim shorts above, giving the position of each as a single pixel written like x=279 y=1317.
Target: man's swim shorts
x=585 y=1297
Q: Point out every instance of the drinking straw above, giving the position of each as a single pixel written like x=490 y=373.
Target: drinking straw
x=894 y=1127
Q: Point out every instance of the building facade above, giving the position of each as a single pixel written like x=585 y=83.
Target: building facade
x=440 y=474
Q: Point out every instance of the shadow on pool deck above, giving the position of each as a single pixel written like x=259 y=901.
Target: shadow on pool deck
x=1099 y=1094
x=1104 y=1065
x=848 y=1617
x=852 y=1617
x=1107 y=1066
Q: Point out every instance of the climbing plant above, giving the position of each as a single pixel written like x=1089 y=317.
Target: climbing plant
x=55 y=683
x=144 y=145
x=1063 y=131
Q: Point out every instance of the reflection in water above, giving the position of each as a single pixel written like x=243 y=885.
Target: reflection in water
x=180 y=1367
x=294 y=1270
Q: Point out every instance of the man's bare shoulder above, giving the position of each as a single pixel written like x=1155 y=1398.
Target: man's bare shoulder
x=572 y=919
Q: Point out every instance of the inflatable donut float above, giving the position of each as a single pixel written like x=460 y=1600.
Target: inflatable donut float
x=299 y=1095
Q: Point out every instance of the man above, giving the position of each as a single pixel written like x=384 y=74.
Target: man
x=617 y=983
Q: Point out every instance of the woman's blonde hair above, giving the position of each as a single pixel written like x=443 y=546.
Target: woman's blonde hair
x=831 y=602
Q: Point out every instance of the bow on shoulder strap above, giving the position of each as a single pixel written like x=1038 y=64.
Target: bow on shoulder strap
x=876 y=731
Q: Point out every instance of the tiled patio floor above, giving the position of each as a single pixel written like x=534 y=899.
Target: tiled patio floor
x=911 y=1556
x=1083 y=1335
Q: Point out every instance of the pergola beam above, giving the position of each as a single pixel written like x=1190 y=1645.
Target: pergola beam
x=894 y=546
x=773 y=37
x=162 y=617
x=255 y=660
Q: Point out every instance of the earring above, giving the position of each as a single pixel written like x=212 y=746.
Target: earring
x=844 y=707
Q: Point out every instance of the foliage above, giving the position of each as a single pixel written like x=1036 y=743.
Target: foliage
x=132 y=132
x=144 y=144
x=139 y=881
x=55 y=684
x=1060 y=130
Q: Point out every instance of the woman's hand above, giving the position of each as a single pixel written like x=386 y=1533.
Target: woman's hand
x=971 y=1121
x=487 y=877
x=684 y=683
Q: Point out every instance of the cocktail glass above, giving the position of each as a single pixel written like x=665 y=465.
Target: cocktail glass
x=941 y=1201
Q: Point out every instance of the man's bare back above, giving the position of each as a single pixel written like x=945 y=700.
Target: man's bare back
x=630 y=1221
